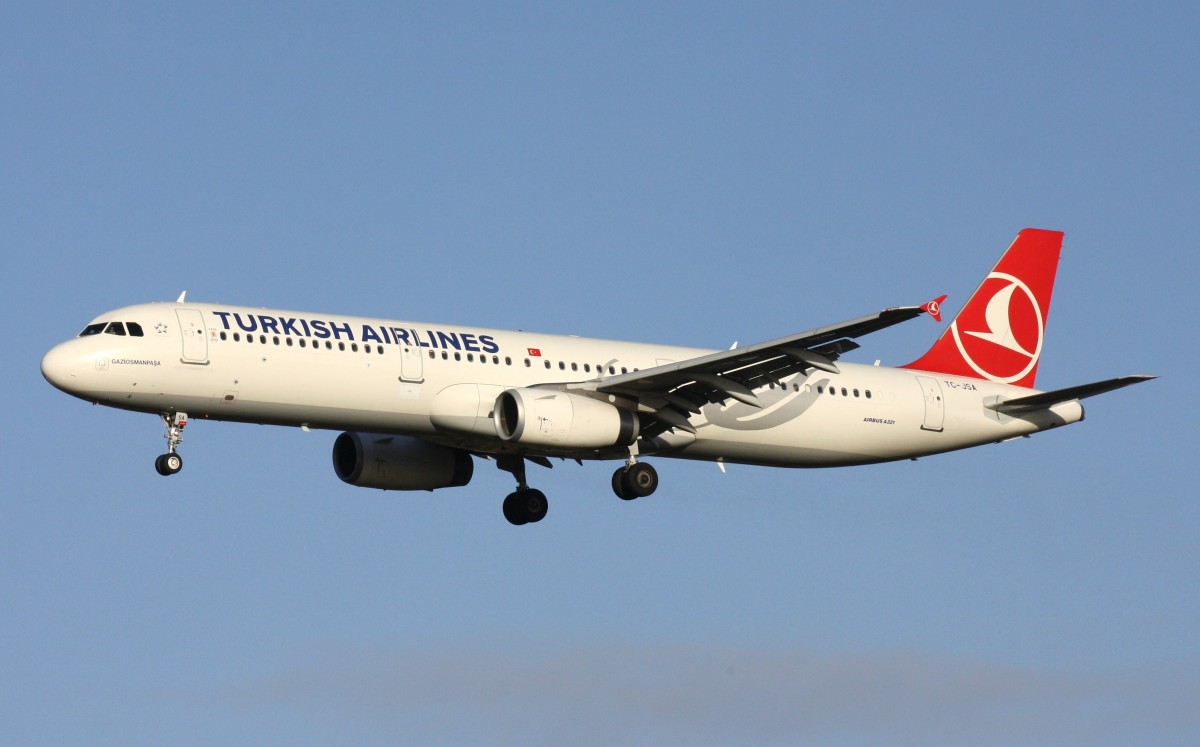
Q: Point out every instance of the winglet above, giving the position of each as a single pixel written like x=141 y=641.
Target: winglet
x=182 y=298
x=934 y=308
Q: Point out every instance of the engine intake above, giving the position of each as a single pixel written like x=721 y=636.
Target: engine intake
x=371 y=460
x=545 y=417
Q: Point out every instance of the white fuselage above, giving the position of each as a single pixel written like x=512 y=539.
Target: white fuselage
x=439 y=382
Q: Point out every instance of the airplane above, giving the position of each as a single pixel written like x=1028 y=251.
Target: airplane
x=418 y=402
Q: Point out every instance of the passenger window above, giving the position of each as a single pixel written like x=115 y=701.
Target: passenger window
x=289 y=341
x=262 y=339
x=237 y=337
x=844 y=392
x=115 y=328
x=868 y=393
x=354 y=347
x=135 y=330
x=302 y=343
x=342 y=347
x=223 y=336
x=855 y=392
x=587 y=367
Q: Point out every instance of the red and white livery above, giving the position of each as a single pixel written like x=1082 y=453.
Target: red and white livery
x=418 y=403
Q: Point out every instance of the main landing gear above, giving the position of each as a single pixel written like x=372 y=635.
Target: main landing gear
x=170 y=463
x=524 y=505
x=634 y=480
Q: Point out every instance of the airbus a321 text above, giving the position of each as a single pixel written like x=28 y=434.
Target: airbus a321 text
x=418 y=402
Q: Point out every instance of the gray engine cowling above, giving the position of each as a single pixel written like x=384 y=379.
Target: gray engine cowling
x=371 y=460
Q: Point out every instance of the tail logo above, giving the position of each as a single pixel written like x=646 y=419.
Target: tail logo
x=1002 y=339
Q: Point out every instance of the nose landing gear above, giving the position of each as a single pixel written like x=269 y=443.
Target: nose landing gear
x=171 y=462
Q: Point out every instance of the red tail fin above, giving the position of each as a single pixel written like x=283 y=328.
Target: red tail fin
x=998 y=335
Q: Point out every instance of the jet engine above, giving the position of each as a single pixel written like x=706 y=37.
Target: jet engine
x=371 y=460
x=546 y=417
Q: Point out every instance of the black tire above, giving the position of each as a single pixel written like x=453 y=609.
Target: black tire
x=640 y=480
x=513 y=510
x=168 y=464
x=618 y=486
x=535 y=505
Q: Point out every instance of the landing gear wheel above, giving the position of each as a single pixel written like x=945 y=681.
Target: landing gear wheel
x=526 y=506
x=513 y=512
x=535 y=504
x=618 y=485
x=638 y=480
x=168 y=464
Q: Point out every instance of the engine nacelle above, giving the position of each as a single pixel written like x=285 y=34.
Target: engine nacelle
x=546 y=417
x=371 y=460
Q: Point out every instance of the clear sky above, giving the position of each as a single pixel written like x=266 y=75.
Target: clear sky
x=686 y=173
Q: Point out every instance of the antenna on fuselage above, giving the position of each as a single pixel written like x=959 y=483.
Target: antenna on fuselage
x=182 y=298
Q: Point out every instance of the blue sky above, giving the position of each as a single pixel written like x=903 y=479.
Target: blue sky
x=692 y=174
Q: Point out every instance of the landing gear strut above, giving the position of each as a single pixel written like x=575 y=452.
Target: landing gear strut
x=634 y=480
x=525 y=505
x=171 y=462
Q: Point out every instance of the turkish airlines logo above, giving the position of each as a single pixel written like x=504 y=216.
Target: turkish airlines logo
x=1002 y=339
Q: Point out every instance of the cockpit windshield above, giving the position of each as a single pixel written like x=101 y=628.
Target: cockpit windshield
x=133 y=329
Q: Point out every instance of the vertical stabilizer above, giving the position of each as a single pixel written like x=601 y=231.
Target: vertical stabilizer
x=998 y=335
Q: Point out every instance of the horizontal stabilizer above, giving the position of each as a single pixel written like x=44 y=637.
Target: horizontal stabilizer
x=1049 y=399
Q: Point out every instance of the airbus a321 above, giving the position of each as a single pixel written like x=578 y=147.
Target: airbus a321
x=418 y=403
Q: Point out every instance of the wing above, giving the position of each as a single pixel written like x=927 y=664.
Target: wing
x=668 y=394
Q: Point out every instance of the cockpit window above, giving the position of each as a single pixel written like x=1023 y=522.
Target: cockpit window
x=92 y=329
x=135 y=329
x=115 y=328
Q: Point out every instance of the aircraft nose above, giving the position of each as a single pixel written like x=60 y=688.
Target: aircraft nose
x=59 y=367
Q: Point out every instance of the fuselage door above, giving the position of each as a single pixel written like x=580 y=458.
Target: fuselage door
x=935 y=406
x=195 y=336
x=412 y=364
